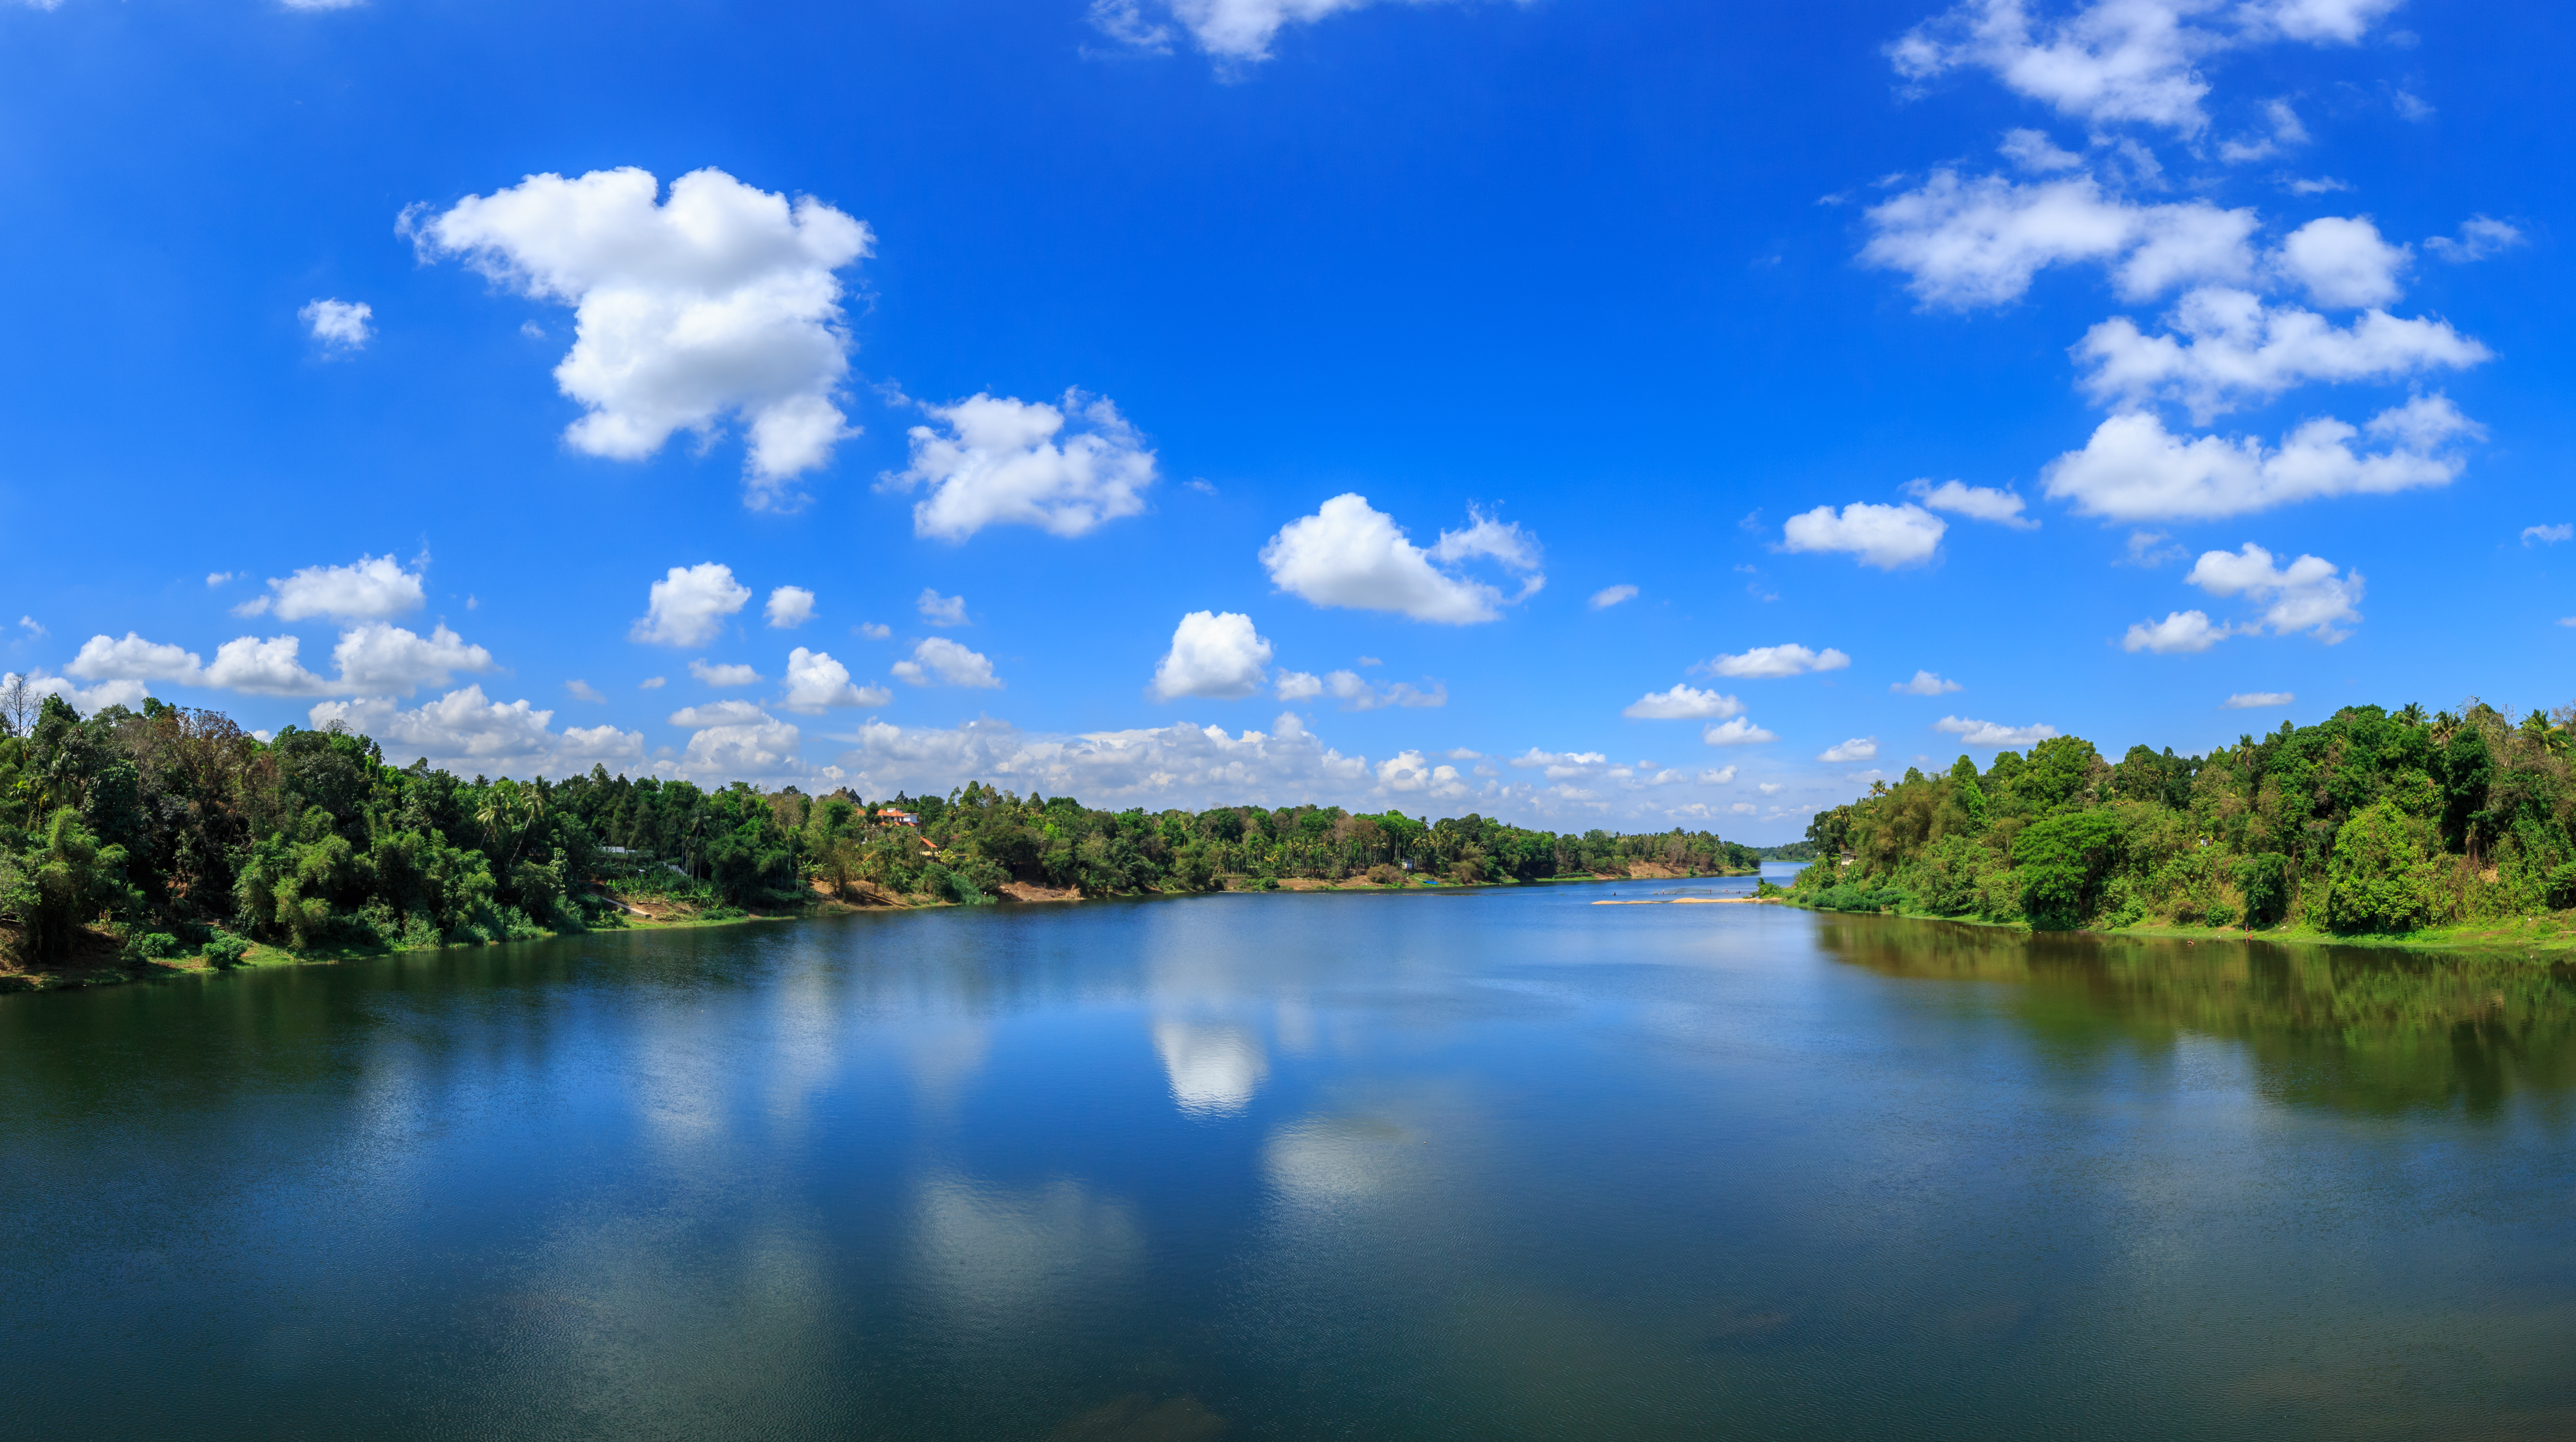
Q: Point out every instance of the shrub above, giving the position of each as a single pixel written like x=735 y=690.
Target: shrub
x=2383 y=877
x=2218 y=913
x=1383 y=874
x=226 y=950
x=2062 y=861
x=2264 y=878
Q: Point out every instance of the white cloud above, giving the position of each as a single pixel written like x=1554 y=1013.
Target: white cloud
x=1988 y=733
x=2233 y=351
x=1924 y=683
x=1356 y=694
x=816 y=682
x=652 y=683
x=1213 y=654
x=2119 y=60
x=2321 y=185
x=718 y=713
x=1887 y=537
x=1859 y=748
x=103 y=658
x=744 y=750
x=1561 y=765
x=1683 y=703
x=2286 y=133
x=1975 y=242
x=1770 y=788
x=1298 y=686
x=1722 y=776
x=689 y=606
x=789 y=607
x=337 y=324
x=873 y=631
x=1770 y=662
x=382 y=660
x=733 y=674
x=319 y=5
x=1235 y=32
x=2306 y=595
x=722 y=301
x=1351 y=555
x=1739 y=732
x=939 y=610
x=371 y=590
x=939 y=661
x=2257 y=700
x=2181 y=633
x=584 y=691
x=2342 y=262
x=1977 y=503
x=2546 y=535
x=33 y=627
x=2033 y=151
x=1502 y=541
x=87 y=702
x=1609 y=596
x=2134 y=470
x=1410 y=772
x=217 y=578
x=2481 y=236
x=265 y=668
x=1011 y=462
x=1180 y=764
x=470 y=734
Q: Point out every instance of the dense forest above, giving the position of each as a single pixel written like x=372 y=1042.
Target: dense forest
x=2370 y=822
x=135 y=836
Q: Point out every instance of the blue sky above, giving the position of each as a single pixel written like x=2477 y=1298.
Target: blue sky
x=1576 y=297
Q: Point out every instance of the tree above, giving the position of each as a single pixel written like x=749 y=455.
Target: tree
x=2383 y=876
x=64 y=881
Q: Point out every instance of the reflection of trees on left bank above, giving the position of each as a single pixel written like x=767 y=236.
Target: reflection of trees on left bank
x=2365 y=1030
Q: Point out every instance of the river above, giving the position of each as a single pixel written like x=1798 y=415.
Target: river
x=1446 y=1164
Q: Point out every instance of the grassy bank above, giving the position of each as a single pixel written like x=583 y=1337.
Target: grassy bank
x=2553 y=934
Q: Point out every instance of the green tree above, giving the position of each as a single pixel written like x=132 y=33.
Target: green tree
x=2383 y=876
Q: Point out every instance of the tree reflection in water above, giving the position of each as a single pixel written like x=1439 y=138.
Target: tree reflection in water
x=2366 y=1030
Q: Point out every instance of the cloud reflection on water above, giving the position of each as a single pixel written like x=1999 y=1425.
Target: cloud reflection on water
x=1215 y=1069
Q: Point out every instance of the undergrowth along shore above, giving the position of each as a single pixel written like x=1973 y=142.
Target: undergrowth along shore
x=2528 y=935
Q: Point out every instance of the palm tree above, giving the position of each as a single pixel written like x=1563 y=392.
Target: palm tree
x=2412 y=713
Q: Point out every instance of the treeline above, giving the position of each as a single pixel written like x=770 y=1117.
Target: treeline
x=172 y=831
x=2370 y=822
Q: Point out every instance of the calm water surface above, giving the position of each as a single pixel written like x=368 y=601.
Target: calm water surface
x=1457 y=1165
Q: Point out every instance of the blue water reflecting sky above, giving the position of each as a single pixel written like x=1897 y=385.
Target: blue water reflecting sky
x=1497 y=1164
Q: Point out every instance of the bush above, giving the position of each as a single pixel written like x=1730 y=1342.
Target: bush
x=1383 y=874
x=418 y=934
x=2218 y=913
x=152 y=945
x=1851 y=897
x=226 y=950
x=722 y=912
x=2383 y=875
x=2264 y=878
x=2062 y=861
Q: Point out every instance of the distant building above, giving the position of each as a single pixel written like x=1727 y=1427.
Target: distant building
x=615 y=851
x=889 y=816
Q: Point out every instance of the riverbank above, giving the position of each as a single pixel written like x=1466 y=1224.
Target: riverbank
x=106 y=970
x=2531 y=935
